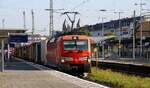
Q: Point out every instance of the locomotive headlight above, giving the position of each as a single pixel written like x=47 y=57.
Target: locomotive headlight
x=66 y=59
x=62 y=60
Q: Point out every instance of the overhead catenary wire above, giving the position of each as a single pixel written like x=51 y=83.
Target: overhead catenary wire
x=77 y=6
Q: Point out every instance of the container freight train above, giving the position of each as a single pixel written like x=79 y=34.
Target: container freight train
x=35 y=52
x=67 y=53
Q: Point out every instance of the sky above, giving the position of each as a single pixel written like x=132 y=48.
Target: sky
x=12 y=12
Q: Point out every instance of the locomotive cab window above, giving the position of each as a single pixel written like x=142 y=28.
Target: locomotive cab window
x=76 y=45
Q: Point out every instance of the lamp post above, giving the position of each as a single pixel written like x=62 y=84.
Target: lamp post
x=103 y=47
x=2 y=56
x=133 y=32
x=51 y=10
x=24 y=20
x=51 y=18
x=3 y=23
x=33 y=27
x=141 y=27
x=119 y=27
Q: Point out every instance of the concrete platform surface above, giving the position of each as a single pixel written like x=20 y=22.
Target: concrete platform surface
x=22 y=74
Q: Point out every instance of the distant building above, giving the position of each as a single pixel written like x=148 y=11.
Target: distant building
x=126 y=34
x=126 y=26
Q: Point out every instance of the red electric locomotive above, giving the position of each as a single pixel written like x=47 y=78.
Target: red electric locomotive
x=70 y=52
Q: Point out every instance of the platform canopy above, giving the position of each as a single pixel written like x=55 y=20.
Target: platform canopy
x=100 y=38
x=4 y=32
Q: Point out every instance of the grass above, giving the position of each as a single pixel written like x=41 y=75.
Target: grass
x=146 y=64
x=118 y=80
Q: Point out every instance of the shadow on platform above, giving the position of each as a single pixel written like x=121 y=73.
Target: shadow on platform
x=14 y=64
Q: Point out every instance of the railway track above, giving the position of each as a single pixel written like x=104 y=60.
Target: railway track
x=132 y=69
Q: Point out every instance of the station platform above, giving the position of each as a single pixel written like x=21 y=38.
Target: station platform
x=136 y=61
x=22 y=74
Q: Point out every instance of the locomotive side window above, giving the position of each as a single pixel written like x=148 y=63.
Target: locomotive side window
x=76 y=45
